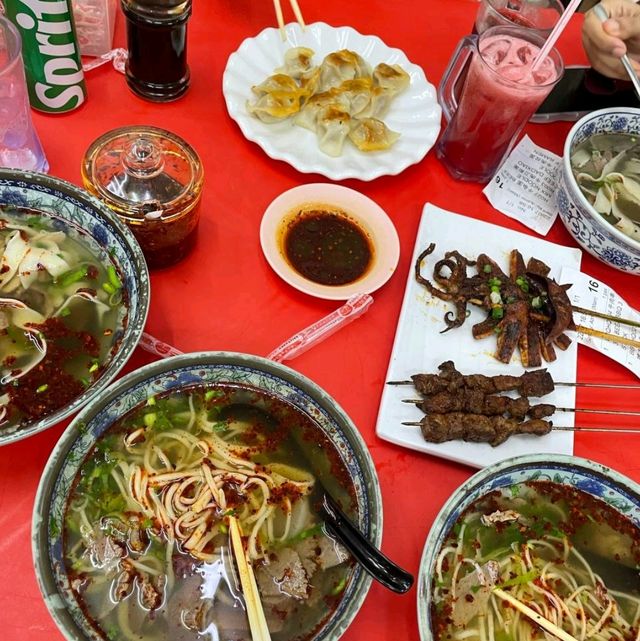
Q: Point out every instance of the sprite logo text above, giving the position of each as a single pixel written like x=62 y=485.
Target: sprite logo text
x=59 y=85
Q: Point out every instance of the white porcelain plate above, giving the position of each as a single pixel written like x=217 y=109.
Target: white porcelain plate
x=369 y=216
x=415 y=113
x=420 y=345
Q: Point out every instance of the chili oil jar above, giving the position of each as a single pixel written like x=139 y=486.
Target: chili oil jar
x=152 y=179
x=156 y=66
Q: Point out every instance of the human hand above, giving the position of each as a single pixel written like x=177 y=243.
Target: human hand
x=606 y=42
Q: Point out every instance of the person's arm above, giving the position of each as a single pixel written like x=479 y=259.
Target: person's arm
x=606 y=42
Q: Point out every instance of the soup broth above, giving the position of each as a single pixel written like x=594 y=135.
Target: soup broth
x=146 y=537
x=558 y=550
x=60 y=307
x=607 y=170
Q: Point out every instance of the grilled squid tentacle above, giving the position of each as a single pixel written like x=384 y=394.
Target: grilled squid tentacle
x=431 y=288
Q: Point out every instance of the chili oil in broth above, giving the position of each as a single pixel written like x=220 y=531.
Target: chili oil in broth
x=136 y=577
x=559 y=550
x=57 y=347
x=326 y=245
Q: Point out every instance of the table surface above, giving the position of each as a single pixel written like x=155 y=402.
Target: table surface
x=224 y=296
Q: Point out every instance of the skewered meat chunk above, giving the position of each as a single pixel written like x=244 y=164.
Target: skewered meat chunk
x=476 y=402
x=531 y=384
x=438 y=428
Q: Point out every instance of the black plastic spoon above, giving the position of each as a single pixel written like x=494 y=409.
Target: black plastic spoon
x=336 y=521
x=371 y=559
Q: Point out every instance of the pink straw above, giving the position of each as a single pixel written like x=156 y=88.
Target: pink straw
x=555 y=34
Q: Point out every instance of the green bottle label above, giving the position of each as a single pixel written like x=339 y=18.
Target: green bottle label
x=50 y=52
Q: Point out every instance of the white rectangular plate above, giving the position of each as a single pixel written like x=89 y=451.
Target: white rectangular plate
x=420 y=347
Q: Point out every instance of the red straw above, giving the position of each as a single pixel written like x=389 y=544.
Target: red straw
x=555 y=34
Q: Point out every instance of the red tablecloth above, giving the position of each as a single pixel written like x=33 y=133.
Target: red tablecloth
x=225 y=296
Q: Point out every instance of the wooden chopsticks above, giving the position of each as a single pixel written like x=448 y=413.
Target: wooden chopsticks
x=255 y=612
x=614 y=338
x=296 y=12
x=598 y=333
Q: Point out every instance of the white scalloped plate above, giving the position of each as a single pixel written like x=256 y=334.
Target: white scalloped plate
x=415 y=113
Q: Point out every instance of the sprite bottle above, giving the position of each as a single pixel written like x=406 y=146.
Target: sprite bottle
x=51 y=54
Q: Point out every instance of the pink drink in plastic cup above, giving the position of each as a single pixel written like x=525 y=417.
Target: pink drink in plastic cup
x=500 y=94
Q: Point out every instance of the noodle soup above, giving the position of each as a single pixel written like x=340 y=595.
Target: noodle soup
x=60 y=309
x=146 y=543
x=551 y=547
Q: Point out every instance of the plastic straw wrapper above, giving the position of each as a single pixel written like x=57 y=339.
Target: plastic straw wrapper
x=294 y=346
x=117 y=56
x=314 y=334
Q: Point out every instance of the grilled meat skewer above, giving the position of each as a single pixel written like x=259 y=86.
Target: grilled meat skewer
x=535 y=383
x=473 y=401
x=476 y=428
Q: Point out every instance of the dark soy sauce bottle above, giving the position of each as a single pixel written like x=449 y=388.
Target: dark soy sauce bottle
x=157 y=41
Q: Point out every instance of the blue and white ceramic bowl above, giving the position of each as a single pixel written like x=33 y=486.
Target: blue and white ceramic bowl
x=172 y=374
x=619 y=492
x=73 y=210
x=583 y=222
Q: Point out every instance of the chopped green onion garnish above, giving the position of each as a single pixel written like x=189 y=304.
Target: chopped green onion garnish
x=339 y=587
x=42 y=388
x=73 y=276
x=150 y=419
x=494 y=282
x=497 y=312
x=536 y=302
x=487 y=269
x=94 y=367
x=113 y=277
x=109 y=288
x=495 y=288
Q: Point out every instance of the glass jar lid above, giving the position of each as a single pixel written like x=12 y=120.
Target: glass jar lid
x=143 y=172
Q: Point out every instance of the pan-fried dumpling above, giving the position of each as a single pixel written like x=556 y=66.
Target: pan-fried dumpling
x=309 y=82
x=275 y=106
x=358 y=94
x=371 y=134
x=340 y=66
x=393 y=78
x=379 y=103
x=308 y=115
x=297 y=61
x=332 y=128
x=277 y=82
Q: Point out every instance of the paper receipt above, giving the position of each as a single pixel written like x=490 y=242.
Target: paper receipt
x=589 y=293
x=525 y=185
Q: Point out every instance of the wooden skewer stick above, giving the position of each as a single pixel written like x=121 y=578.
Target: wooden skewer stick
x=280 y=18
x=610 y=337
x=534 y=616
x=255 y=612
x=297 y=13
x=615 y=319
x=575 y=428
x=605 y=385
